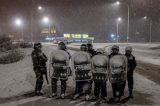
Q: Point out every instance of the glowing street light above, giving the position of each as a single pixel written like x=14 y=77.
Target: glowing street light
x=118 y=3
x=112 y=35
x=150 y=27
x=47 y=21
x=18 y=23
x=145 y=17
x=33 y=13
x=40 y=8
x=119 y=19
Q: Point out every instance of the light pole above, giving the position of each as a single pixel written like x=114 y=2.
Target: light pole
x=33 y=13
x=47 y=21
x=18 y=22
x=150 y=28
x=118 y=20
x=128 y=19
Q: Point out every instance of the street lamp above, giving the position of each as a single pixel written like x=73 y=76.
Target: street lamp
x=40 y=8
x=18 y=23
x=145 y=17
x=33 y=14
x=47 y=21
x=118 y=3
x=119 y=19
x=150 y=27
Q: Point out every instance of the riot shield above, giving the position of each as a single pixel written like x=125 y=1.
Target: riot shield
x=60 y=64
x=81 y=64
x=117 y=68
x=100 y=67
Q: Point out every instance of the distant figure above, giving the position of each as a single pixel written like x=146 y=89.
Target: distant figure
x=81 y=65
x=100 y=74
x=90 y=49
x=59 y=63
x=131 y=66
x=117 y=73
x=39 y=66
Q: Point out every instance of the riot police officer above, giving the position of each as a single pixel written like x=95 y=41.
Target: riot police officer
x=81 y=65
x=59 y=63
x=90 y=49
x=100 y=74
x=39 y=66
x=117 y=73
x=131 y=66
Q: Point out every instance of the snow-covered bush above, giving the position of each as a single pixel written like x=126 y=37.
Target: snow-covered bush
x=5 y=43
x=26 y=45
x=11 y=56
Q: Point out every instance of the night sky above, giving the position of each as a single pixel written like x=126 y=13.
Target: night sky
x=96 y=17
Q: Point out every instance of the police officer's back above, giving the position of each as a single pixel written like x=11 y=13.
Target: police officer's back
x=90 y=49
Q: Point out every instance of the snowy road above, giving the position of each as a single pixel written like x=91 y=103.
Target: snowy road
x=18 y=78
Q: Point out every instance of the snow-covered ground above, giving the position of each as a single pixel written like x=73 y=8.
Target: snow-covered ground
x=19 y=78
x=143 y=52
x=16 y=76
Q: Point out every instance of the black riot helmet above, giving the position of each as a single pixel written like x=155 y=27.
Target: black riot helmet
x=100 y=51
x=83 y=47
x=62 y=46
x=89 y=46
x=115 y=49
x=37 y=46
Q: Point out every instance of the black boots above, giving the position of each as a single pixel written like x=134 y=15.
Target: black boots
x=130 y=94
x=38 y=93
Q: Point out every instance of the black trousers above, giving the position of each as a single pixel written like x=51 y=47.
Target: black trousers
x=130 y=81
x=100 y=88
x=39 y=81
x=83 y=87
x=118 y=89
x=54 y=85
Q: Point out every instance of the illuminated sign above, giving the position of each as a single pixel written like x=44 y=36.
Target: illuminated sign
x=76 y=35
x=85 y=35
x=72 y=35
x=67 y=36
